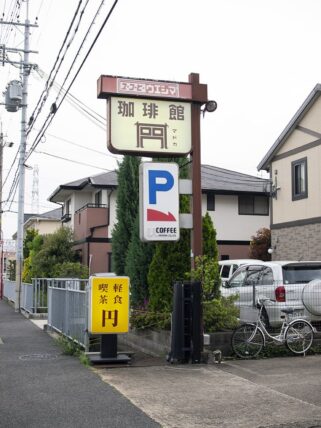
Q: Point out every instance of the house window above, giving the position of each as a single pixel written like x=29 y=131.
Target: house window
x=98 y=198
x=210 y=201
x=68 y=206
x=253 y=205
x=299 y=179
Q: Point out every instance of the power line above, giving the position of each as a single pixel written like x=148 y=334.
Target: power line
x=80 y=47
x=92 y=115
x=51 y=115
x=71 y=160
x=83 y=147
x=45 y=92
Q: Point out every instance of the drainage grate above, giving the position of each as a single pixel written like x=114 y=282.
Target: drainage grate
x=37 y=357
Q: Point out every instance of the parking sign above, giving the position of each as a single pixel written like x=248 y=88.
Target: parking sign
x=159 y=201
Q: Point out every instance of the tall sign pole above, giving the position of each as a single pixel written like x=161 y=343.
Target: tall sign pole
x=197 y=238
x=158 y=118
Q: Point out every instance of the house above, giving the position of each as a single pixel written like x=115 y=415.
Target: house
x=294 y=162
x=89 y=209
x=44 y=224
x=238 y=204
x=8 y=254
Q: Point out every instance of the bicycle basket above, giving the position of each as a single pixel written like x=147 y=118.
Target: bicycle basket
x=248 y=314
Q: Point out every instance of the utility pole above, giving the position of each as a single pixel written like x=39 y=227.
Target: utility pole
x=13 y=104
x=22 y=156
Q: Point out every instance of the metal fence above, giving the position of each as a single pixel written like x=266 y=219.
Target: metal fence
x=67 y=308
x=63 y=299
x=28 y=301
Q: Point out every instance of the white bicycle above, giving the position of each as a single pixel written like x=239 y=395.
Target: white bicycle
x=248 y=339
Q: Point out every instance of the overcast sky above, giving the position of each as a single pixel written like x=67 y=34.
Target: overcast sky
x=260 y=60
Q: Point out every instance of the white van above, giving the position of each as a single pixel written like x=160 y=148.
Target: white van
x=228 y=267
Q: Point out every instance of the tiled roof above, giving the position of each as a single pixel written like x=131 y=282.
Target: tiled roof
x=213 y=178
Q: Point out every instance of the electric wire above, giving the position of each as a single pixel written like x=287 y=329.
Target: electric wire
x=45 y=126
x=93 y=116
x=10 y=169
x=11 y=15
x=71 y=160
x=83 y=147
x=45 y=92
x=80 y=47
x=61 y=90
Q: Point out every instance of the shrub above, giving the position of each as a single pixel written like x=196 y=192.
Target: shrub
x=143 y=320
x=220 y=314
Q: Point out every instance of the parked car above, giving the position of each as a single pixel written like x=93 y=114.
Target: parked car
x=228 y=267
x=288 y=284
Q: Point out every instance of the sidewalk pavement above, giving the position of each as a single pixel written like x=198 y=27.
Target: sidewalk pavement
x=41 y=388
x=57 y=391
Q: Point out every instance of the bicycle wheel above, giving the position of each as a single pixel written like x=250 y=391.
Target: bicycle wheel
x=299 y=336
x=247 y=341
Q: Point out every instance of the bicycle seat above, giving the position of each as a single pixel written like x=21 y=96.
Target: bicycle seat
x=287 y=310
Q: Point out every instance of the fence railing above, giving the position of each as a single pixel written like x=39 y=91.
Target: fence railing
x=67 y=308
x=34 y=297
x=27 y=301
x=64 y=299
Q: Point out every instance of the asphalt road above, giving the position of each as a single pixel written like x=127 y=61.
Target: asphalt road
x=40 y=388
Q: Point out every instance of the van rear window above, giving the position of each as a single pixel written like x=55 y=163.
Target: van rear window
x=225 y=271
x=301 y=274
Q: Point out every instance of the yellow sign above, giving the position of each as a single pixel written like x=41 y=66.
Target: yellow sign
x=109 y=305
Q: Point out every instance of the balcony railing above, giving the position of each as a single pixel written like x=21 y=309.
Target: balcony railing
x=91 y=205
x=65 y=218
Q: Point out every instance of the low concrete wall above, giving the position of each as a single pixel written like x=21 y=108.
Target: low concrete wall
x=158 y=343
x=221 y=340
x=151 y=342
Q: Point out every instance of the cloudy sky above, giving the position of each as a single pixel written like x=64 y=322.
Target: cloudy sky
x=259 y=58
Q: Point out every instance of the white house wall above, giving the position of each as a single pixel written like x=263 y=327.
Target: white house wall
x=286 y=210
x=112 y=212
x=229 y=225
x=298 y=138
x=45 y=227
x=295 y=141
x=78 y=200
x=312 y=119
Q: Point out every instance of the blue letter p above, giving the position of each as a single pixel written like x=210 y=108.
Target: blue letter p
x=155 y=187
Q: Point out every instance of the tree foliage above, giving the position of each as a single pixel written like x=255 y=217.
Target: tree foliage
x=27 y=242
x=139 y=256
x=206 y=267
x=209 y=238
x=70 y=270
x=126 y=210
x=171 y=261
x=51 y=256
x=259 y=245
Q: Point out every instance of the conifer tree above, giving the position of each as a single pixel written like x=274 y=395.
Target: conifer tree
x=171 y=260
x=126 y=210
x=209 y=237
x=139 y=256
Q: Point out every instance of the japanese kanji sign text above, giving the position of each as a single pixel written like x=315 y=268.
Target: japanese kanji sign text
x=109 y=305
